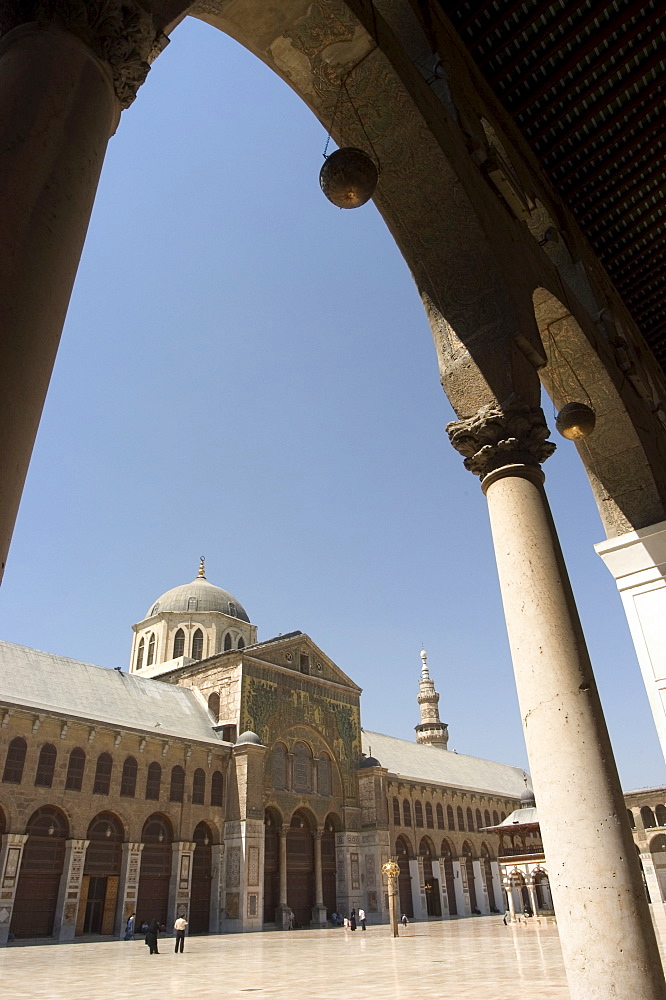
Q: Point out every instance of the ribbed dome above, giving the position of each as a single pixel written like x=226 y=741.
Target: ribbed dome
x=200 y=595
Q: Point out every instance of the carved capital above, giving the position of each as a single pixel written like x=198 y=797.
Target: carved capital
x=120 y=32
x=499 y=435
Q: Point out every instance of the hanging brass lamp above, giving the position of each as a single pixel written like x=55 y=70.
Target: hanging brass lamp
x=575 y=421
x=348 y=177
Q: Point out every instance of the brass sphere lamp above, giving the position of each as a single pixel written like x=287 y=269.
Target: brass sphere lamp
x=348 y=177
x=575 y=421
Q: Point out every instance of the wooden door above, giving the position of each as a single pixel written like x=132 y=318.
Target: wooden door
x=200 y=892
x=110 y=900
x=83 y=899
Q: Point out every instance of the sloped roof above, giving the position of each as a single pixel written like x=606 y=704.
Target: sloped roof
x=420 y=762
x=49 y=683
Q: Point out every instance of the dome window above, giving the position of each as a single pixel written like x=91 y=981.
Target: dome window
x=178 y=644
x=232 y=609
x=191 y=604
x=153 y=610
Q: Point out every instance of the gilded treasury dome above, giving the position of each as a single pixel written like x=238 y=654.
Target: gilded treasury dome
x=199 y=596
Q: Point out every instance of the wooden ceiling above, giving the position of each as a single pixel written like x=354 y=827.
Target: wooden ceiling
x=585 y=82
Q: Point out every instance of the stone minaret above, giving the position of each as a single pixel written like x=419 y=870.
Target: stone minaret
x=431 y=729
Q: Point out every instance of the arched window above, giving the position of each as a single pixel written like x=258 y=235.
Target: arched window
x=478 y=818
x=199 y=787
x=103 y=770
x=647 y=816
x=227 y=641
x=197 y=645
x=632 y=821
x=449 y=818
x=104 y=854
x=279 y=766
x=214 y=705
x=232 y=609
x=153 y=781
x=217 y=789
x=178 y=644
x=486 y=818
x=46 y=766
x=75 y=767
x=177 y=787
x=461 y=818
x=406 y=813
x=440 y=816
x=139 y=654
x=241 y=643
x=396 y=812
x=470 y=820
x=302 y=768
x=151 y=650
x=660 y=815
x=495 y=818
x=418 y=813
x=429 y=820
x=128 y=778
x=502 y=816
x=324 y=775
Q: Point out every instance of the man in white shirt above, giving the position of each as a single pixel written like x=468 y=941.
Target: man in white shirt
x=179 y=927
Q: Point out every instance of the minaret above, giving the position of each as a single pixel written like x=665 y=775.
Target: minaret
x=431 y=729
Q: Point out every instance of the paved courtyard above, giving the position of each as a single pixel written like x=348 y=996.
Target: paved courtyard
x=457 y=960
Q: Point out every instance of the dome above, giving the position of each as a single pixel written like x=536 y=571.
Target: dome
x=248 y=737
x=368 y=762
x=198 y=596
x=527 y=799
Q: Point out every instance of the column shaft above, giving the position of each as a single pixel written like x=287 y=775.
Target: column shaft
x=319 y=887
x=57 y=111
x=283 y=867
x=604 y=922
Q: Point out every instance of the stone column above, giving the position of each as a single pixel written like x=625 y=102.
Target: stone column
x=282 y=916
x=604 y=922
x=533 y=899
x=416 y=886
x=67 y=907
x=481 y=890
x=510 y=902
x=637 y=561
x=497 y=882
x=180 y=885
x=11 y=854
x=318 y=910
x=216 y=888
x=462 y=898
x=651 y=880
x=63 y=82
x=128 y=889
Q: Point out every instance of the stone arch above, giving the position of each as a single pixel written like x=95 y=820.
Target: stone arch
x=300 y=864
x=460 y=276
x=426 y=847
x=660 y=814
x=647 y=816
x=40 y=873
x=630 y=494
x=333 y=822
x=273 y=821
x=404 y=853
x=467 y=857
x=447 y=854
x=155 y=873
x=202 y=877
x=3 y=821
x=486 y=856
x=101 y=874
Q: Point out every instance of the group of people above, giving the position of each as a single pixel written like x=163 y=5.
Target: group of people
x=153 y=929
x=352 y=921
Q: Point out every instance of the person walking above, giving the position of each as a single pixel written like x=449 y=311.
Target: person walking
x=179 y=927
x=151 y=936
x=404 y=920
x=129 y=929
x=361 y=918
x=352 y=919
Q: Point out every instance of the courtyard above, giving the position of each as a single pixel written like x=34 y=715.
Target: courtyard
x=456 y=959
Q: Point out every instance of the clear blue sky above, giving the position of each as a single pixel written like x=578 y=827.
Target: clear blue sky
x=246 y=373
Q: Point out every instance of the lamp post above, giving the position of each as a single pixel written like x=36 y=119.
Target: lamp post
x=392 y=870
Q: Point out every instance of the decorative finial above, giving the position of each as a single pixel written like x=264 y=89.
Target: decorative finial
x=202 y=570
x=424 y=663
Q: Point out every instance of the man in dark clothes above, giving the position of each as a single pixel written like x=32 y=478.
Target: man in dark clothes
x=151 y=936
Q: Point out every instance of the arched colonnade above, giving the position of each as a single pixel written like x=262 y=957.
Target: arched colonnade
x=446 y=881
x=477 y=266
x=65 y=887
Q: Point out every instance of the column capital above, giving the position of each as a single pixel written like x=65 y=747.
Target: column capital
x=499 y=435
x=120 y=32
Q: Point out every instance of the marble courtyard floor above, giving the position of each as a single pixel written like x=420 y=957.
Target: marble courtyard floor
x=456 y=960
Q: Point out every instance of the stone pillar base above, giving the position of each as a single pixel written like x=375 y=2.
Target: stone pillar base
x=319 y=917
x=283 y=917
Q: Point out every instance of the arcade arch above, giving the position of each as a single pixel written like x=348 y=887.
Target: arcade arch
x=39 y=876
x=155 y=874
x=202 y=876
x=404 y=854
x=101 y=875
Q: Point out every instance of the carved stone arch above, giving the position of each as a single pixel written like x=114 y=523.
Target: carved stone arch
x=469 y=851
x=448 y=849
x=333 y=822
x=404 y=847
x=580 y=367
x=273 y=817
x=306 y=816
x=486 y=851
x=427 y=848
x=420 y=194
